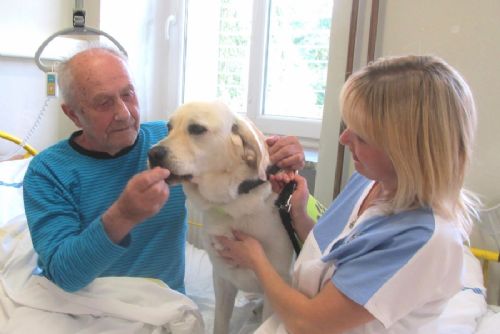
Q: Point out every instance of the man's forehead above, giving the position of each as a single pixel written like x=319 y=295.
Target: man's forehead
x=98 y=65
x=108 y=81
x=106 y=91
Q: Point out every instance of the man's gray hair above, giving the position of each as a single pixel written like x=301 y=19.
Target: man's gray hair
x=66 y=78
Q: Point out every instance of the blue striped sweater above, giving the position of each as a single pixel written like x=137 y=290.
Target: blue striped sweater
x=67 y=189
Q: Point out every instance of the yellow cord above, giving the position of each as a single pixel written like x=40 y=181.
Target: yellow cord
x=30 y=150
x=192 y=222
x=486 y=254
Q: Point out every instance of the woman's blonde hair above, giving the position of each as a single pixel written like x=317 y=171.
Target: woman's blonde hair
x=421 y=112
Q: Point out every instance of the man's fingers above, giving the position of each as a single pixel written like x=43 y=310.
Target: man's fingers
x=270 y=141
x=287 y=152
x=293 y=162
x=159 y=174
x=150 y=177
x=276 y=144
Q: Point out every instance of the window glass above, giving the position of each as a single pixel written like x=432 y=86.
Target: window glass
x=297 y=58
x=217 y=51
x=279 y=48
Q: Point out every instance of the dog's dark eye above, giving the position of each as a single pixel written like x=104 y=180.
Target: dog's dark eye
x=196 y=129
x=169 y=127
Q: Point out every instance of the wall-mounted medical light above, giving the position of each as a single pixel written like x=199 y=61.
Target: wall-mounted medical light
x=78 y=28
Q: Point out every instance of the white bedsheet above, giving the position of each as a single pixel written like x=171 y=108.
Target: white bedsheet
x=33 y=304
x=490 y=322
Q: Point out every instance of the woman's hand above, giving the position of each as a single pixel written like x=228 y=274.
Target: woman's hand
x=280 y=180
x=299 y=196
x=301 y=221
x=244 y=251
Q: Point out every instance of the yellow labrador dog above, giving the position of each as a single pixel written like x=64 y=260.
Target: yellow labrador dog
x=221 y=159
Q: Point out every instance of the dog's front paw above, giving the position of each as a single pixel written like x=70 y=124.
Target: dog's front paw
x=217 y=245
x=216 y=234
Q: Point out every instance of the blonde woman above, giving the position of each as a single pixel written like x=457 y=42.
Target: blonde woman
x=387 y=254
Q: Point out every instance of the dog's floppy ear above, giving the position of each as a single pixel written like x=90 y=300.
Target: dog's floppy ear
x=254 y=145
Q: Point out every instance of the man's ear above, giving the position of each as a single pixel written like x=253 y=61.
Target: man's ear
x=72 y=115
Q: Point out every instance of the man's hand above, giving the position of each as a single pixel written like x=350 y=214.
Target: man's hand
x=286 y=152
x=144 y=195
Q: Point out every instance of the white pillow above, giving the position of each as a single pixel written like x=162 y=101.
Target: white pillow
x=490 y=322
x=464 y=310
x=11 y=188
x=473 y=272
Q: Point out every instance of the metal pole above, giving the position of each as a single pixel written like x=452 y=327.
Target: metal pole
x=372 y=38
x=349 y=66
x=373 y=31
x=79 y=4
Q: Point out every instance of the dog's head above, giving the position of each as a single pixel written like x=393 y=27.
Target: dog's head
x=212 y=147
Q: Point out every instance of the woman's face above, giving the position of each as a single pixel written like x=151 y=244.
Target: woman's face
x=369 y=160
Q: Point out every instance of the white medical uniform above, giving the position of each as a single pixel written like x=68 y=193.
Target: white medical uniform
x=402 y=268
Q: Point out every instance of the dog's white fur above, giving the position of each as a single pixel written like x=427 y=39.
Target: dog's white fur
x=220 y=150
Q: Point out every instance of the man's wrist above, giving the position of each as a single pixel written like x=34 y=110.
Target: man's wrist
x=116 y=224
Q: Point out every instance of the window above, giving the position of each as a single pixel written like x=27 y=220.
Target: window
x=266 y=58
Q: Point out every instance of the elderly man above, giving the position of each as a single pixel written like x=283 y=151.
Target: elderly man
x=94 y=209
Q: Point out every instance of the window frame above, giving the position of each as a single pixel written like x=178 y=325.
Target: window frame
x=306 y=128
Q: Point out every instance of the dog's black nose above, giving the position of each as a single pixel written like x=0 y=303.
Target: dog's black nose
x=156 y=156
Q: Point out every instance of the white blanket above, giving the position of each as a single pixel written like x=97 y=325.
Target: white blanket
x=33 y=304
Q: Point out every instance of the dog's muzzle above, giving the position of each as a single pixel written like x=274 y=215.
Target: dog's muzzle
x=156 y=156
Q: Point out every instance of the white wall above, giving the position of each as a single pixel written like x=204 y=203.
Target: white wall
x=466 y=33
x=22 y=89
x=25 y=24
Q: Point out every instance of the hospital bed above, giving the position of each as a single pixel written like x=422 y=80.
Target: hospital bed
x=133 y=305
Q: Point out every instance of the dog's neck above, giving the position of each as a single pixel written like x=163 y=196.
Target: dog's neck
x=245 y=204
x=248 y=185
x=231 y=203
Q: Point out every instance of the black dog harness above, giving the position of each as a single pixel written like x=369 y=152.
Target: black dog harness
x=283 y=203
x=284 y=207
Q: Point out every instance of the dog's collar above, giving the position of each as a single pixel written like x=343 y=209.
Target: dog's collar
x=246 y=186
